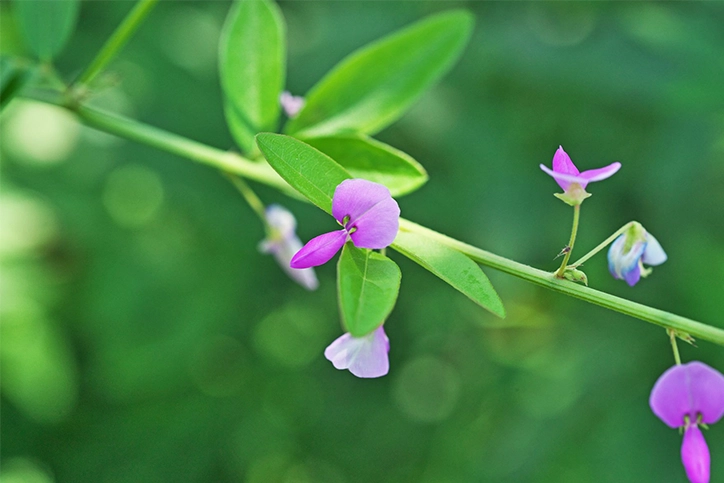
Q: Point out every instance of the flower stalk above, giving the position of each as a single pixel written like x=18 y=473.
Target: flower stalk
x=571 y=242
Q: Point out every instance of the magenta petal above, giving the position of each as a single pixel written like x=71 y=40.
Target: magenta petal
x=354 y=197
x=319 y=250
x=688 y=389
x=695 y=455
x=564 y=180
x=562 y=163
x=377 y=228
x=601 y=173
x=363 y=356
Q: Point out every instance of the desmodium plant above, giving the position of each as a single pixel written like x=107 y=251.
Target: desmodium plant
x=325 y=154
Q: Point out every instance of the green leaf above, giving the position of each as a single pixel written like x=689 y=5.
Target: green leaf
x=368 y=284
x=453 y=267
x=12 y=79
x=373 y=86
x=46 y=25
x=370 y=159
x=252 y=67
x=314 y=174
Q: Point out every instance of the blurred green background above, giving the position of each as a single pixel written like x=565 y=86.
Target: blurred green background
x=144 y=338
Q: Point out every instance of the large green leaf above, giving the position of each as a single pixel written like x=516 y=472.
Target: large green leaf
x=46 y=25
x=368 y=283
x=314 y=174
x=13 y=78
x=370 y=159
x=373 y=86
x=459 y=271
x=252 y=64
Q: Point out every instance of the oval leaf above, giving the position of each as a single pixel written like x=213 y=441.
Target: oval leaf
x=367 y=158
x=314 y=174
x=368 y=284
x=252 y=68
x=46 y=25
x=453 y=267
x=12 y=80
x=374 y=86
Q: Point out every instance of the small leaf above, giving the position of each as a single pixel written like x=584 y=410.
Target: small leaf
x=252 y=64
x=453 y=267
x=314 y=174
x=368 y=284
x=46 y=25
x=373 y=86
x=370 y=159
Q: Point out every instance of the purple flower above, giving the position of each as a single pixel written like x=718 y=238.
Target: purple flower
x=283 y=243
x=571 y=180
x=291 y=104
x=630 y=251
x=363 y=356
x=686 y=396
x=369 y=217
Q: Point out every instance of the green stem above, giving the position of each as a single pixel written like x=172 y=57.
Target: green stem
x=602 y=245
x=571 y=242
x=674 y=347
x=262 y=172
x=549 y=281
x=251 y=198
x=116 y=41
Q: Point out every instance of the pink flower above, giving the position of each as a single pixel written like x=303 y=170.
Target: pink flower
x=369 y=217
x=571 y=180
x=364 y=356
x=686 y=396
x=291 y=104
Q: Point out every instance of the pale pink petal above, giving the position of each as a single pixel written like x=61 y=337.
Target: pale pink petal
x=654 y=253
x=283 y=252
x=319 y=250
x=695 y=455
x=365 y=357
x=601 y=173
x=291 y=104
x=688 y=389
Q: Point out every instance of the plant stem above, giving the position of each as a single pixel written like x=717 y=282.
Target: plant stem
x=116 y=41
x=674 y=347
x=571 y=242
x=549 y=281
x=251 y=198
x=602 y=245
x=263 y=173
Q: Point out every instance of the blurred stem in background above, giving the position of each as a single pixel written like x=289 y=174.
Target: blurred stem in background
x=234 y=163
x=114 y=43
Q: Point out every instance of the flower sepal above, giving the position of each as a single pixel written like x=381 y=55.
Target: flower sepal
x=574 y=195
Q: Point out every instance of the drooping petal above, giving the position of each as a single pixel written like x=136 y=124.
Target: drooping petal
x=601 y=173
x=695 y=455
x=364 y=356
x=633 y=276
x=280 y=220
x=319 y=250
x=283 y=252
x=654 y=253
x=688 y=389
x=377 y=227
x=564 y=180
x=625 y=265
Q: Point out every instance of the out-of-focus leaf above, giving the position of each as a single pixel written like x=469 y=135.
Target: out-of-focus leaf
x=370 y=159
x=314 y=174
x=252 y=64
x=373 y=86
x=46 y=25
x=12 y=80
x=453 y=267
x=368 y=284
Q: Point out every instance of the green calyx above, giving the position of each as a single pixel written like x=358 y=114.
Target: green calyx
x=574 y=195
